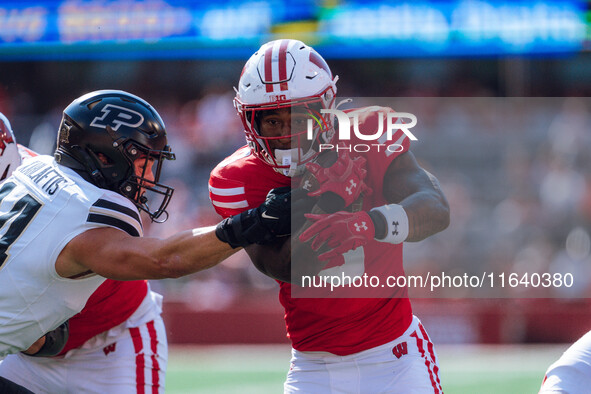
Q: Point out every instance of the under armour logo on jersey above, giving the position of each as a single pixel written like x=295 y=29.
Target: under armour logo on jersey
x=359 y=227
x=307 y=185
x=110 y=348
x=349 y=189
x=116 y=116
x=400 y=350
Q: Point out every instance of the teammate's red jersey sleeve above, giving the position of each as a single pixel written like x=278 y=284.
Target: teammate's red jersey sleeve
x=25 y=152
x=110 y=305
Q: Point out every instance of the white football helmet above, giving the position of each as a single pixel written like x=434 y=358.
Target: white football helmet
x=9 y=156
x=284 y=74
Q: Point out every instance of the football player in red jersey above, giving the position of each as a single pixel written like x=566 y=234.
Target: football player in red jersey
x=344 y=343
x=117 y=342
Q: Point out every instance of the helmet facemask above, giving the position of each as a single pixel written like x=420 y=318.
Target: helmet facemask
x=309 y=129
x=140 y=188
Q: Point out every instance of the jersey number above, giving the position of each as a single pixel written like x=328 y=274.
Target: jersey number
x=17 y=219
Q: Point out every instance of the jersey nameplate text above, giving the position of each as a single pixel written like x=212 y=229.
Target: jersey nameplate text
x=46 y=177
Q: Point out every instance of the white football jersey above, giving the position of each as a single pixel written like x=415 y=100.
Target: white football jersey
x=43 y=206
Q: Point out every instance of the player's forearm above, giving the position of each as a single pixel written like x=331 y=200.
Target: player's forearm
x=428 y=214
x=273 y=260
x=151 y=258
x=191 y=251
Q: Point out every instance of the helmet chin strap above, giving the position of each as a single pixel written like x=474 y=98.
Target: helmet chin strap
x=285 y=157
x=288 y=157
x=84 y=166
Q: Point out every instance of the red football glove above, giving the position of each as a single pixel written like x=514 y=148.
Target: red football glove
x=345 y=177
x=341 y=231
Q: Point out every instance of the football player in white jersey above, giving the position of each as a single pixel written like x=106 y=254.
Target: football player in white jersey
x=68 y=222
x=571 y=373
x=117 y=343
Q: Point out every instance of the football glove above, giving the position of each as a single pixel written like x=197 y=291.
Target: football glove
x=342 y=182
x=260 y=225
x=341 y=232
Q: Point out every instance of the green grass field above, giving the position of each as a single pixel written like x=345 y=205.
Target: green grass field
x=465 y=369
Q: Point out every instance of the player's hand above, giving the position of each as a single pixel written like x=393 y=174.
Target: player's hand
x=260 y=225
x=35 y=347
x=345 y=178
x=52 y=343
x=341 y=232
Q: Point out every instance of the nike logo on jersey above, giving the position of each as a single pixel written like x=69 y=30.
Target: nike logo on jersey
x=265 y=216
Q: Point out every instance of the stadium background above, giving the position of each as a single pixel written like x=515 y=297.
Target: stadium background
x=519 y=183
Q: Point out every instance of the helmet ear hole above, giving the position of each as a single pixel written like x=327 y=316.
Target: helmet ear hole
x=104 y=159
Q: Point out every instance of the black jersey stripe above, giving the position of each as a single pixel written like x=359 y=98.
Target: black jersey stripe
x=113 y=222
x=100 y=203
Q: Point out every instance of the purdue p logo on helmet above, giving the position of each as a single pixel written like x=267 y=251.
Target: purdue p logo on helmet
x=103 y=133
x=117 y=116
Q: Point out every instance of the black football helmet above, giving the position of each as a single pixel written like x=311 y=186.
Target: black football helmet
x=101 y=135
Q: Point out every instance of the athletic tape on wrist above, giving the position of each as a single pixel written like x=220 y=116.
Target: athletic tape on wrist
x=397 y=223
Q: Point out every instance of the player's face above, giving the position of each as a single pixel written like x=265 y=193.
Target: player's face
x=143 y=169
x=283 y=122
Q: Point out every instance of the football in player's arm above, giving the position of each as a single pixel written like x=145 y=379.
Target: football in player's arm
x=406 y=185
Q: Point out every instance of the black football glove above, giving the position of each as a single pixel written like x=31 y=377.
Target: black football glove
x=260 y=225
x=54 y=341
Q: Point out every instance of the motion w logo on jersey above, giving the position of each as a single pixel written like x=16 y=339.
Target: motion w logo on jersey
x=116 y=116
x=400 y=350
x=109 y=348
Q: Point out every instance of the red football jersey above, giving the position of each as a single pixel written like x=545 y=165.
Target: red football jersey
x=337 y=324
x=110 y=305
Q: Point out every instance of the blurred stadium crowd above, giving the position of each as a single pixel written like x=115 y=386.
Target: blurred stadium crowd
x=516 y=170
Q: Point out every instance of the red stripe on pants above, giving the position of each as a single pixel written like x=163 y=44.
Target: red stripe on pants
x=138 y=346
x=155 y=365
x=431 y=353
x=427 y=362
